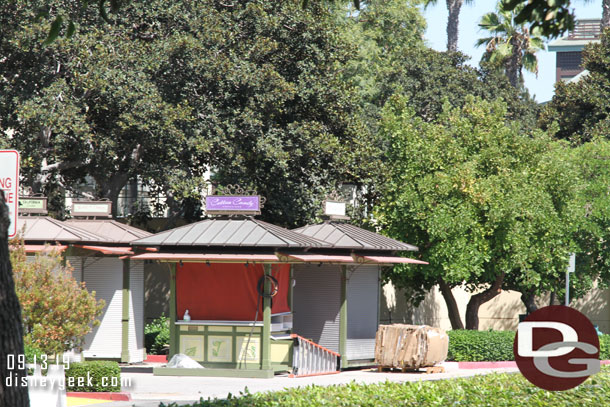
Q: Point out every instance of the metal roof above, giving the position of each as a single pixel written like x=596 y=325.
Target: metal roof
x=113 y=231
x=46 y=229
x=346 y=236
x=247 y=232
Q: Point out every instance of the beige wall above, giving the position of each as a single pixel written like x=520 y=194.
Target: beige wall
x=501 y=313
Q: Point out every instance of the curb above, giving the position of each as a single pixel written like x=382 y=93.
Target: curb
x=498 y=365
x=100 y=395
x=487 y=365
x=156 y=359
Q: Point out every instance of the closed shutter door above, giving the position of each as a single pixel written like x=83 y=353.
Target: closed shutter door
x=76 y=263
x=316 y=303
x=136 y=312
x=362 y=307
x=104 y=275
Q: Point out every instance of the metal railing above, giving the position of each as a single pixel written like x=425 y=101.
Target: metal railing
x=311 y=359
x=586 y=30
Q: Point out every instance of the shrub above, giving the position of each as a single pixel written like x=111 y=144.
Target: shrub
x=156 y=335
x=496 y=389
x=604 y=347
x=57 y=310
x=103 y=374
x=480 y=346
x=32 y=353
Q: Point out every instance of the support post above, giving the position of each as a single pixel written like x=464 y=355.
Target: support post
x=125 y=318
x=173 y=334
x=343 y=319
x=290 y=287
x=266 y=334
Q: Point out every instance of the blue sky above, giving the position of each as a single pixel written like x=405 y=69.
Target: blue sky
x=436 y=37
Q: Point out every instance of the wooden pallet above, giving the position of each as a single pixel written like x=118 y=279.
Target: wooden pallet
x=429 y=370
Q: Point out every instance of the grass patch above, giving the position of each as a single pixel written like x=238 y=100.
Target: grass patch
x=497 y=389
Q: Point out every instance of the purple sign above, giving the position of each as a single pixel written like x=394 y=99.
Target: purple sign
x=232 y=204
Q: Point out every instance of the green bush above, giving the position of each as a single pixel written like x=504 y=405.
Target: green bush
x=103 y=375
x=480 y=346
x=156 y=335
x=482 y=390
x=31 y=352
x=604 y=347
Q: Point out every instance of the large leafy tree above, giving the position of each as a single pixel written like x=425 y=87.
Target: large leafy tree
x=250 y=90
x=580 y=109
x=392 y=58
x=510 y=46
x=488 y=205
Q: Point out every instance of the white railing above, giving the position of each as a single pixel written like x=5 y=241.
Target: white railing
x=311 y=359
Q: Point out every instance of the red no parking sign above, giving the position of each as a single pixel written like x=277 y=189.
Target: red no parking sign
x=9 y=183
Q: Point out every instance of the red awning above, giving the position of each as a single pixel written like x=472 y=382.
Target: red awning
x=217 y=258
x=387 y=260
x=107 y=249
x=40 y=248
x=315 y=258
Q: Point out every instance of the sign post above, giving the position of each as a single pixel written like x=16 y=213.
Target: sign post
x=571 y=269
x=9 y=183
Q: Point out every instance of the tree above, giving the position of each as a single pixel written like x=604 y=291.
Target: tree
x=511 y=45
x=249 y=90
x=580 y=109
x=483 y=201
x=57 y=310
x=11 y=330
x=392 y=59
x=453 y=21
x=546 y=18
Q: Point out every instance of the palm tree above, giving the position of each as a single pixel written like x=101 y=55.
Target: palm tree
x=511 y=46
x=454 y=7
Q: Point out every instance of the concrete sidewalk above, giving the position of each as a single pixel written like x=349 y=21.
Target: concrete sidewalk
x=148 y=390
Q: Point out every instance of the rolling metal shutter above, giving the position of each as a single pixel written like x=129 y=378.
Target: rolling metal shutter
x=362 y=312
x=104 y=275
x=316 y=303
x=76 y=264
x=136 y=312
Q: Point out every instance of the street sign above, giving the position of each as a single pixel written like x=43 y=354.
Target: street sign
x=9 y=183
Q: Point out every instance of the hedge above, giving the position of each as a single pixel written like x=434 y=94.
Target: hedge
x=491 y=346
x=480 y=346
x=103 y=375
x=482 y=390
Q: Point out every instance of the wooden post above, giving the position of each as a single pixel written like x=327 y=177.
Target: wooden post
x=11 y=332
x=173 y=334
x=125 y=319
x=266 y=334
x=343 y=319
x=290 y=290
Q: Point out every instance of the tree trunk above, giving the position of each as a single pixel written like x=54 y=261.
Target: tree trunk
x=110 y=188
x=453 y=22
x=472 y=309
x=606 y=14
x=11 y=330
x=513 y=64
x=452 y=308
x=529 y=300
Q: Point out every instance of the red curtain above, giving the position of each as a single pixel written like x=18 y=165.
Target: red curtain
x=224 y=291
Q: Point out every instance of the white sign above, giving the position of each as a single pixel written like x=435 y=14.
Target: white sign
x=334 y=208
x=572 y=264
x=9 y=183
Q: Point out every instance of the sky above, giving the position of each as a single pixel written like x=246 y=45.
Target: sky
x=470 y=15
